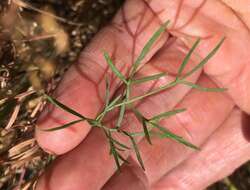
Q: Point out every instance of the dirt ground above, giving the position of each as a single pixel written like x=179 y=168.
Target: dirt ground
x=27 y=31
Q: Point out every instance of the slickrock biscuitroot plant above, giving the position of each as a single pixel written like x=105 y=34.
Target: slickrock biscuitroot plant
x=123 y=102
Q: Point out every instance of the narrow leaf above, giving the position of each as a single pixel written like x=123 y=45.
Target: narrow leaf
x=113 y=102
x=139 y=134
x=107 y=108
x=148 y=78
x=123 y=108
x=63 y=126
x=122 y=158
x=146 y=132
x=119 y=149
x=187 y=58
x=167 y=114
x=113 y=149
x=148 y=47
x=107 y=93
x=168 y=134
x=121 y=115
x=206 y=59
x=114 y=69
x=138 y=115
x=137 y=152
x=143 y=120
x=136 y=149
x=155 y=91
x=115 y=155
x=64 y=107
x=198 y=87
x=109 y=141
x=120 y=144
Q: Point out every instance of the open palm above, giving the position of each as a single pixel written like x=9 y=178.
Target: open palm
x=215 y=121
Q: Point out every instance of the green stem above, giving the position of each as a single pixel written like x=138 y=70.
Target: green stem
x=156 y=91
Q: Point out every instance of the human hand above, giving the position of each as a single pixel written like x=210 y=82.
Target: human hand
x=212 y=120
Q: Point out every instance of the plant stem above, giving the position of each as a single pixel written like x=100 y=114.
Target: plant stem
x=156 y=91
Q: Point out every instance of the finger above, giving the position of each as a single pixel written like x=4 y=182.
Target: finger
x=205 y=112
x=83 y=87
x=212 y=20
x=225 y=151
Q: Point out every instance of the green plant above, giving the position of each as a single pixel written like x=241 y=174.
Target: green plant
x=123 y=101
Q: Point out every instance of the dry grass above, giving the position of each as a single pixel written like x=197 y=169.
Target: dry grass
x=32 y=37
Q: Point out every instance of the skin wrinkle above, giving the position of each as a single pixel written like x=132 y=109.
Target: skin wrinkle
x=143 y=28
x=192 y=17
x=154 y=17
x=97 y=85
x=177 y=14
x=197 y=10
x=86 y=66
x=126 y=20
x=156 y=14
x=134 y=35
x=94 y=52
x=104 y=66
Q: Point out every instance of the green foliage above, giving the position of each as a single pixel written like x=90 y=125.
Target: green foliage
x=123 y=102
